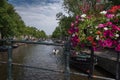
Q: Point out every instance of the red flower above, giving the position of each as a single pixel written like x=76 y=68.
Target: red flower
x=98 y=32
x=114 y=9
x=94 y=43
x=90 y=38
x=78 y=40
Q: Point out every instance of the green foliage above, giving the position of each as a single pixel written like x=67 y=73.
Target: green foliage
x=10 y=21
x=64 y=24
x=76 y=7
x=56 y=33
x=34 y=32
x=72 y=6
x=115 y=2
x=42 y=34
x=12 y=25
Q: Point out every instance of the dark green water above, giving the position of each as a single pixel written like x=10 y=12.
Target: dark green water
x=39 y=56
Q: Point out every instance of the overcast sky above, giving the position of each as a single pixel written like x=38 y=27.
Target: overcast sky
x=39 y=13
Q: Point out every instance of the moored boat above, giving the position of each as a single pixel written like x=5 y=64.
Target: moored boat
x=81 y=61
x=15 y=46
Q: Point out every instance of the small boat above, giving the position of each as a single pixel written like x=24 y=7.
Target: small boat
x=81 y=61
x=55 y=51
x=14 y=46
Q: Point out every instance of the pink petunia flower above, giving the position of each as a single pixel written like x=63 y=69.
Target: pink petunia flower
x=115 y=27
x=110 y=16
x=101 y=25
x=100 y=42
x=71 y=31
x=107 y=43
x=75 y=40
x=108 y=23
x=114 y=42
x=77 y=17
x=76 y=29
x=76 y=22
x=108 y=33
x=117 y=48
x=72 y=24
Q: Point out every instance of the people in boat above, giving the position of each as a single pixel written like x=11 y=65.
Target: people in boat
x=55 y=51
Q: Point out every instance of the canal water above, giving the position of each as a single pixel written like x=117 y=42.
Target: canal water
x=39 y=56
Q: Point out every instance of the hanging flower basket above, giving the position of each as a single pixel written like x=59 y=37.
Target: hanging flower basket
x=98 y=31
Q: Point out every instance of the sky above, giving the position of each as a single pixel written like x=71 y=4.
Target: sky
x=39 y=13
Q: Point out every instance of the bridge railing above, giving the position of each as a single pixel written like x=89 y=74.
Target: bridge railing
x=66 y=71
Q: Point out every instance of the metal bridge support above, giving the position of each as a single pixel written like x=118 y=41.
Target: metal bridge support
x=67 y=57
x=9 y=63
x=91 y=64
x=118 y=67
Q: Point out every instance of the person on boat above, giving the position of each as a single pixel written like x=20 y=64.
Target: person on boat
x=55 y=51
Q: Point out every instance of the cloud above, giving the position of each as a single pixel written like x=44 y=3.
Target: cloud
x=42 y=16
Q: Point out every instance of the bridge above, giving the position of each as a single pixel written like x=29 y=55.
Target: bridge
x=66 y=72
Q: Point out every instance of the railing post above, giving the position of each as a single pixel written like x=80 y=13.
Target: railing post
x=67 y=56
x=9 y=63
x=91 y=63
x=118 y=66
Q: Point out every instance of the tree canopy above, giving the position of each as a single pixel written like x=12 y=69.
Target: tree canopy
x=64 y=23
x=11 y=24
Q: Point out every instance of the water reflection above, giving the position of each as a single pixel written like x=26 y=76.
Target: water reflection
x=37 y=56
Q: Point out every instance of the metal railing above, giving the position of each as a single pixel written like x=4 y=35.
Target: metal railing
x=66 y=72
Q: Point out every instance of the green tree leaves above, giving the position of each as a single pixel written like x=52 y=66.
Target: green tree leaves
x=11 y=24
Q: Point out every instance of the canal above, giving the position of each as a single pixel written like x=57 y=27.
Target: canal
x=40 y=56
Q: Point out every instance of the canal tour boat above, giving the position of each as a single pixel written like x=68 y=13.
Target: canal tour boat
x=81 y=61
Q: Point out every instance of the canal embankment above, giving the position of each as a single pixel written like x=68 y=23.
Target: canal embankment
x=106 y=59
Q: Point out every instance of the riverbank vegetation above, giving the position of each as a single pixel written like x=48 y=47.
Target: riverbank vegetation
x=13 y=27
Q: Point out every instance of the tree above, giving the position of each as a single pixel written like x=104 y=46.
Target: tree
x=75 y=7
x=11 y=23
x=64 y=24
x=72 y=6
x=56 y=33
x=42 y=34
x=115 y=2
x=34 y=32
